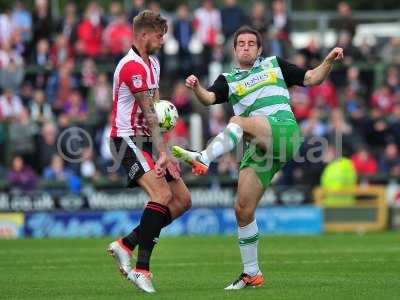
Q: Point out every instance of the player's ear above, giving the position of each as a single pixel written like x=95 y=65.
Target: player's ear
x=259 y=51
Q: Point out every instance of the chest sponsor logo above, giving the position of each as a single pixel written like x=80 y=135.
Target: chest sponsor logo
x=268 y=77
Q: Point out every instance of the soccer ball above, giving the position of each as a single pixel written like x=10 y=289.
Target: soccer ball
x=167 y=115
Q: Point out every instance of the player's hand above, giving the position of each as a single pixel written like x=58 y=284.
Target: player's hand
x=192 y=82
x=335 y=55
x=161 y=165
x=174 y=168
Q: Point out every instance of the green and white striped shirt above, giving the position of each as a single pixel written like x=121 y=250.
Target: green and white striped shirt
x=262 y=90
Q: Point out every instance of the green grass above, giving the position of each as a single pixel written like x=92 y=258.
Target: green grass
x=341 y=266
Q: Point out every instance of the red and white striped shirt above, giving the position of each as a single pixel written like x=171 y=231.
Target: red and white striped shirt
x=131 y=76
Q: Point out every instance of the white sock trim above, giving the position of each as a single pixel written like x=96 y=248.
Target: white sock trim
x=248 y=244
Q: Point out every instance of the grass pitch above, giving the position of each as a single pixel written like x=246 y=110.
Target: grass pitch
x=341 y=266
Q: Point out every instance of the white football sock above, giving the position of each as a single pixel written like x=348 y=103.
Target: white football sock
x=223 y=143
x=248 y=242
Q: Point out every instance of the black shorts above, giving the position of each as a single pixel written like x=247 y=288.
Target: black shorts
x=135 y=154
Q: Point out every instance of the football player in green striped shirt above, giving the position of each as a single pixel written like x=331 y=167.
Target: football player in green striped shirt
x=258 y=92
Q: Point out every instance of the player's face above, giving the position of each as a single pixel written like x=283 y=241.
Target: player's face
x=246 y=50
x=155 y=40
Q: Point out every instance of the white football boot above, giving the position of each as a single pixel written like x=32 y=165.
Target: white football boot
x=122 y=256
x=193 y=158
x=142 y=280
x=246 y=280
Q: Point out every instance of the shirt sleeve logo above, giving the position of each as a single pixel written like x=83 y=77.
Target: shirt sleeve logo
x=137 y=81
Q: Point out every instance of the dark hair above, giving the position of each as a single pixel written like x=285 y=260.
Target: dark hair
x=149 y=20
x=247 y=29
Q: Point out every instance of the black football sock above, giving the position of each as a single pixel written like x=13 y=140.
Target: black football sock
x=154 y=218
x=132 y=239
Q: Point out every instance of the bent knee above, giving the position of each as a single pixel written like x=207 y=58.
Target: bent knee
x=186 y=201
x=243 y=210
x=237 y=120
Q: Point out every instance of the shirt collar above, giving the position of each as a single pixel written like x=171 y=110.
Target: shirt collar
x=258 y=61
x=136 y=50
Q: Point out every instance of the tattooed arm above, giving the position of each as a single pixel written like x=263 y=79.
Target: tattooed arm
x=164 y=161
x=146 y=103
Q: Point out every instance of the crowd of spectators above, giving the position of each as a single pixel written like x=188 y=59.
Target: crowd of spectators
x=56 y=73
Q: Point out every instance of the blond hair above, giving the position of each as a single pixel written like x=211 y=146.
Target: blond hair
x=149 y=20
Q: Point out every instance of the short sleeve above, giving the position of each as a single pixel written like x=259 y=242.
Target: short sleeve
x=292 y=74
x=134 y=76
x=220 y=88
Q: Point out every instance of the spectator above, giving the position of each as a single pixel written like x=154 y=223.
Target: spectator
x=353 y=81
x=181 y=98
x=364 y=163
x=207 y=23
x=18 y=45
x=75 y=108
x=377 y=130
x=368 y=50
x=394 y=123
x=87 y=167
x=313 y=126
x=301 y=103
x=280 y=29
x=341 y=134
x=88 y=76
x=114 y=12
x=60 y=85
x=10 y=105
x=345 y=21
x=258 y=21
x=47 y=145
x=6 y=27
x=137 y=6
x=339 y=173
x=324 y=95
x=383 y=99
x=22 y=136
x=117 y=36
x=21 y=177
x=232 y=17
x=26 y=93
x=353 y=107
x=11 y=67
x=42 y=22
x=182 y=31
x=67 y=25
x=40 y=111
x=352 y=53
x=57 y=172
x=100 y=100
x=392 y=79
x=61 y=52
x=90 y=32
x=391 y=51
x=42 y=54
x=311 y=53
x=22 y=21
x=390 y=161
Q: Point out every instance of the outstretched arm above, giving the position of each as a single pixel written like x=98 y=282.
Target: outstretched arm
x=204 y=96
x=319 y=74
